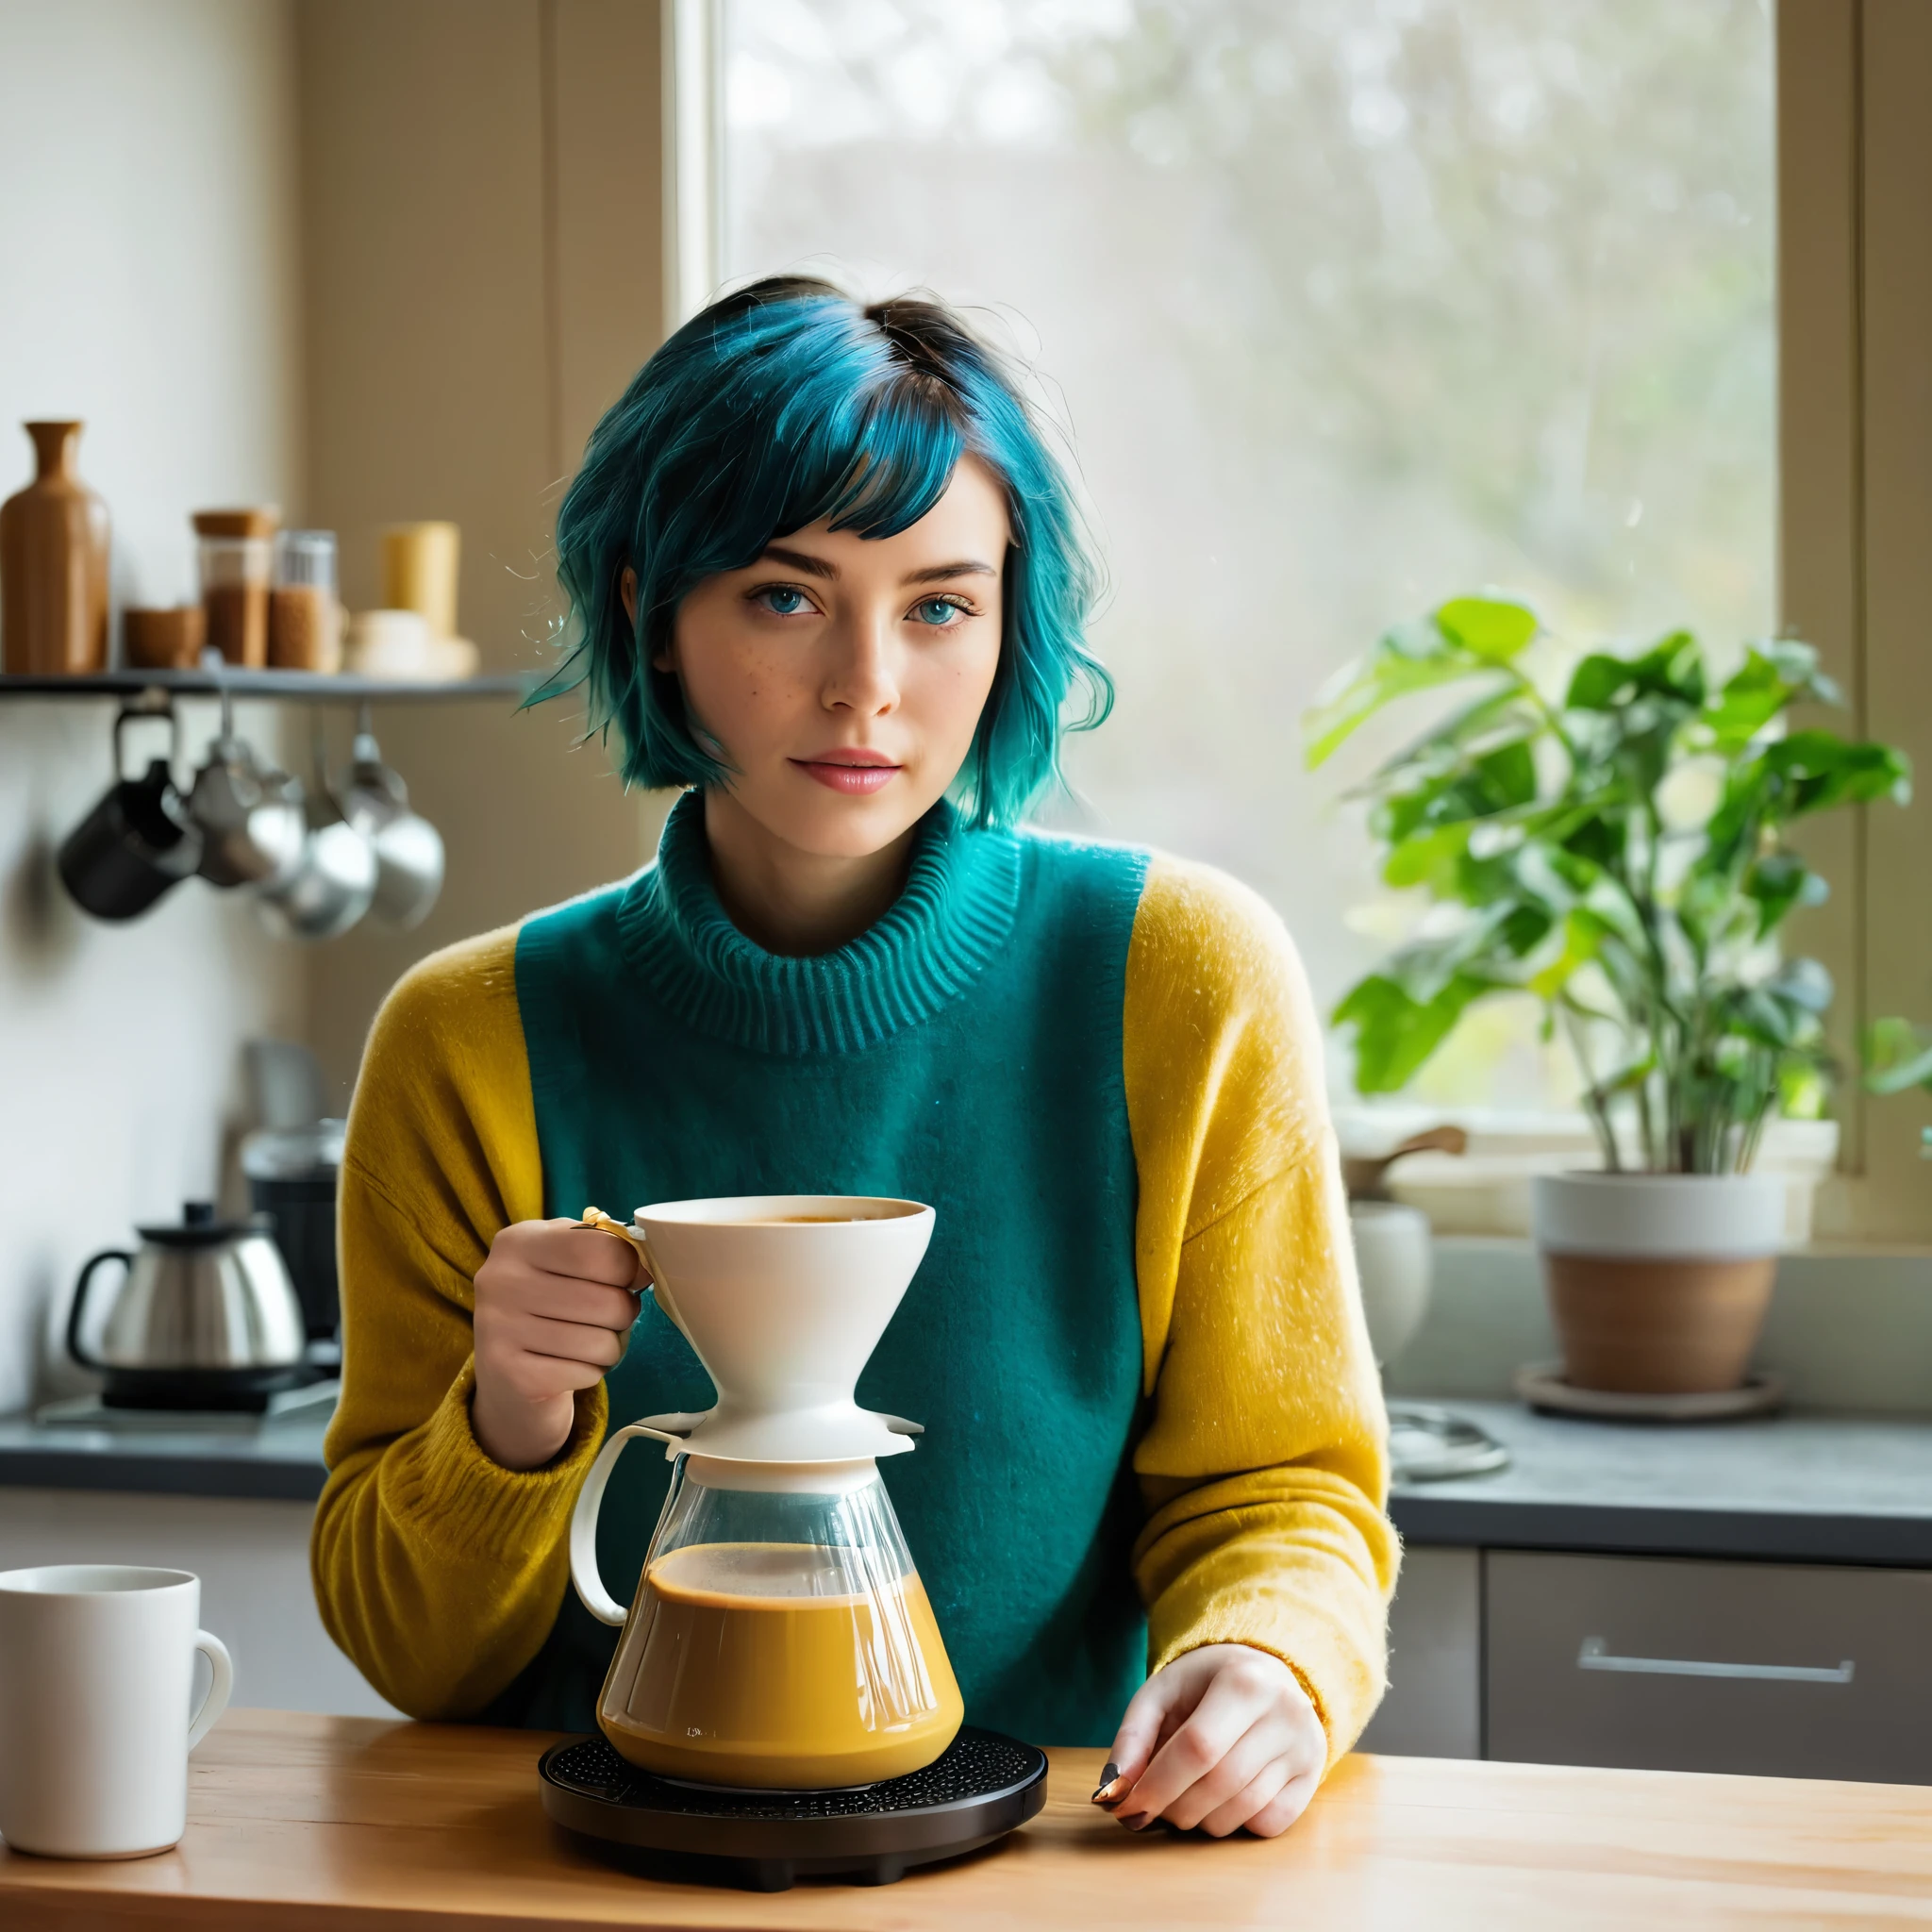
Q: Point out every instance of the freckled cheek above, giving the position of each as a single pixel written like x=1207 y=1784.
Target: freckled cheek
x=948 y=699
x=746 y=698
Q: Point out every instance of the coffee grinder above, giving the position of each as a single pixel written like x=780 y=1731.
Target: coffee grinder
x=780 y=1702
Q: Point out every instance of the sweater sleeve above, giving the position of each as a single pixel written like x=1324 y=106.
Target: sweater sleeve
x=1264 y=1464
x=436 y=1570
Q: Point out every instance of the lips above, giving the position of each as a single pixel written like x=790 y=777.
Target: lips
x=855 y=773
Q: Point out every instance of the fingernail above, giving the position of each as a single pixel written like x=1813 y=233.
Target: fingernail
x=1103 y=1792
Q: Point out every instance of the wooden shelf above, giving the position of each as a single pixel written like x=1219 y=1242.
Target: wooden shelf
x=301 y=687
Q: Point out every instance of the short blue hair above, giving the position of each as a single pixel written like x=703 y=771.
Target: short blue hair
x=782 y=404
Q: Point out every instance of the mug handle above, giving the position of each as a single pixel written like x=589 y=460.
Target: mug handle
x=583 y=1519
x=130 y=713
x=79 y=1301
x=221 y=1682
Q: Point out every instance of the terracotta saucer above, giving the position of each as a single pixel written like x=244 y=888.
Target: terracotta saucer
x=1542 y=1385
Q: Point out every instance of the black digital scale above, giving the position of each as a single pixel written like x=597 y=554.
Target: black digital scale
x=981 y=1786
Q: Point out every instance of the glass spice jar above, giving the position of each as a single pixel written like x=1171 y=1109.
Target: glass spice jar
x=237 y=551
x=305 y=618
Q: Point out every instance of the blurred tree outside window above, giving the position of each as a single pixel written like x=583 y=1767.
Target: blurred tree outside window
x=1346 y=306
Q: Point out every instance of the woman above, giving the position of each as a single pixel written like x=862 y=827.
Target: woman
x=826 y=574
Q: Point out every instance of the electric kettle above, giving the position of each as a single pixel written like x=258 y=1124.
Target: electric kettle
x=204 y=1316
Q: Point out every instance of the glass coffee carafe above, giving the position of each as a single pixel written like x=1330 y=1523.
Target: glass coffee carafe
x=781 y=1637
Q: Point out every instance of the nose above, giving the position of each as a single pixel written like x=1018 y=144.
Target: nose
x=862 y=678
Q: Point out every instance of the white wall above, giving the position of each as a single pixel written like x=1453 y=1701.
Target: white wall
x=252 y=1557
x=148 y=284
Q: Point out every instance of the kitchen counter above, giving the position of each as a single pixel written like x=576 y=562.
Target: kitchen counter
x=279 y=1459
x=352 y=1822
x=1793 y=1489
x=1799 y=1488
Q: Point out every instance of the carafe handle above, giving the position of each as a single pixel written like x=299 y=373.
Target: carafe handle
x=583 y=1519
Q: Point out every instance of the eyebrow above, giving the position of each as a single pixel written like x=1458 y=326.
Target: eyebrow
x=804 y=561
x=799 y=561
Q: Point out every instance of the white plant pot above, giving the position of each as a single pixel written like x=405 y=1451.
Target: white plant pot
x=1658 y=1282
x=1392 y=1260
x=1673 y=1217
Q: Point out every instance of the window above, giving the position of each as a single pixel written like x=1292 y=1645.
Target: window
x=1348 y=305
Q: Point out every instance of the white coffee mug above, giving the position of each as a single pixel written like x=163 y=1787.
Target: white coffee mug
x=96 y=1666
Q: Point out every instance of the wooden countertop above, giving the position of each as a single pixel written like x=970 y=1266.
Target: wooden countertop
x=316 y=1823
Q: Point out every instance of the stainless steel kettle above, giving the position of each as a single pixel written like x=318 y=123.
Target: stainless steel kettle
x=204 y=1316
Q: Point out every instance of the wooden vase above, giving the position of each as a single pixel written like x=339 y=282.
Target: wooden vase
x=54 y=565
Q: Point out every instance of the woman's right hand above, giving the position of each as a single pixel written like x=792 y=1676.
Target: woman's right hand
x=555 y=1304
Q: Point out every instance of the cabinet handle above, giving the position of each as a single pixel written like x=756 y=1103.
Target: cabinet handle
x=1593 y=1657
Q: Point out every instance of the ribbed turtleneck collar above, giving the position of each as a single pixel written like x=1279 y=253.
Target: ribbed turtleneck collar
x=960 y=897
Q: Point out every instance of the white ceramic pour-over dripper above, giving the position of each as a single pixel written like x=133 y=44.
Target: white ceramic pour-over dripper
x=784 y=1314
x=783 y=1297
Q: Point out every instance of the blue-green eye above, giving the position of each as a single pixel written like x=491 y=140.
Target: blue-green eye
x=937 y=611
x=782 y=600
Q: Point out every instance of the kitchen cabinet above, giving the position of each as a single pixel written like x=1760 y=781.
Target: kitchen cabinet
x=1748 y=1597
x=1434 y=1705
x=1661 y=1663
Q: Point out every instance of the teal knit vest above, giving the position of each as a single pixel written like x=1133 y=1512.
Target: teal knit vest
x=965 y=1051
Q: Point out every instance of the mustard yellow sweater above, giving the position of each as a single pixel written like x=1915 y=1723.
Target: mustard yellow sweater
x=1261 y=1466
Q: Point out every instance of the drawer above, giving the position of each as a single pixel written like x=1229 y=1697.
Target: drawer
x=1786 y=1670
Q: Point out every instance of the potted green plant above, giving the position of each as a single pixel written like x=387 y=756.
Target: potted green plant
x=1554 y=817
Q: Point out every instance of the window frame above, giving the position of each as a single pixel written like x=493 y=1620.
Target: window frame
x=1854 y=530
x=693 y=155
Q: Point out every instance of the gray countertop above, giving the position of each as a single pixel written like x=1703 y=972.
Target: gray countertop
x=278 y=1460
x=1800 y=1488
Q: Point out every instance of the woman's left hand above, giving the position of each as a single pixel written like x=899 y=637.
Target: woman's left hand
x=1220 y=1738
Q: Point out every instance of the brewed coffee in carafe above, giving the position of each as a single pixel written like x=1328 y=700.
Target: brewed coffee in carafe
x=781 y=1637
x=781 y=1640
